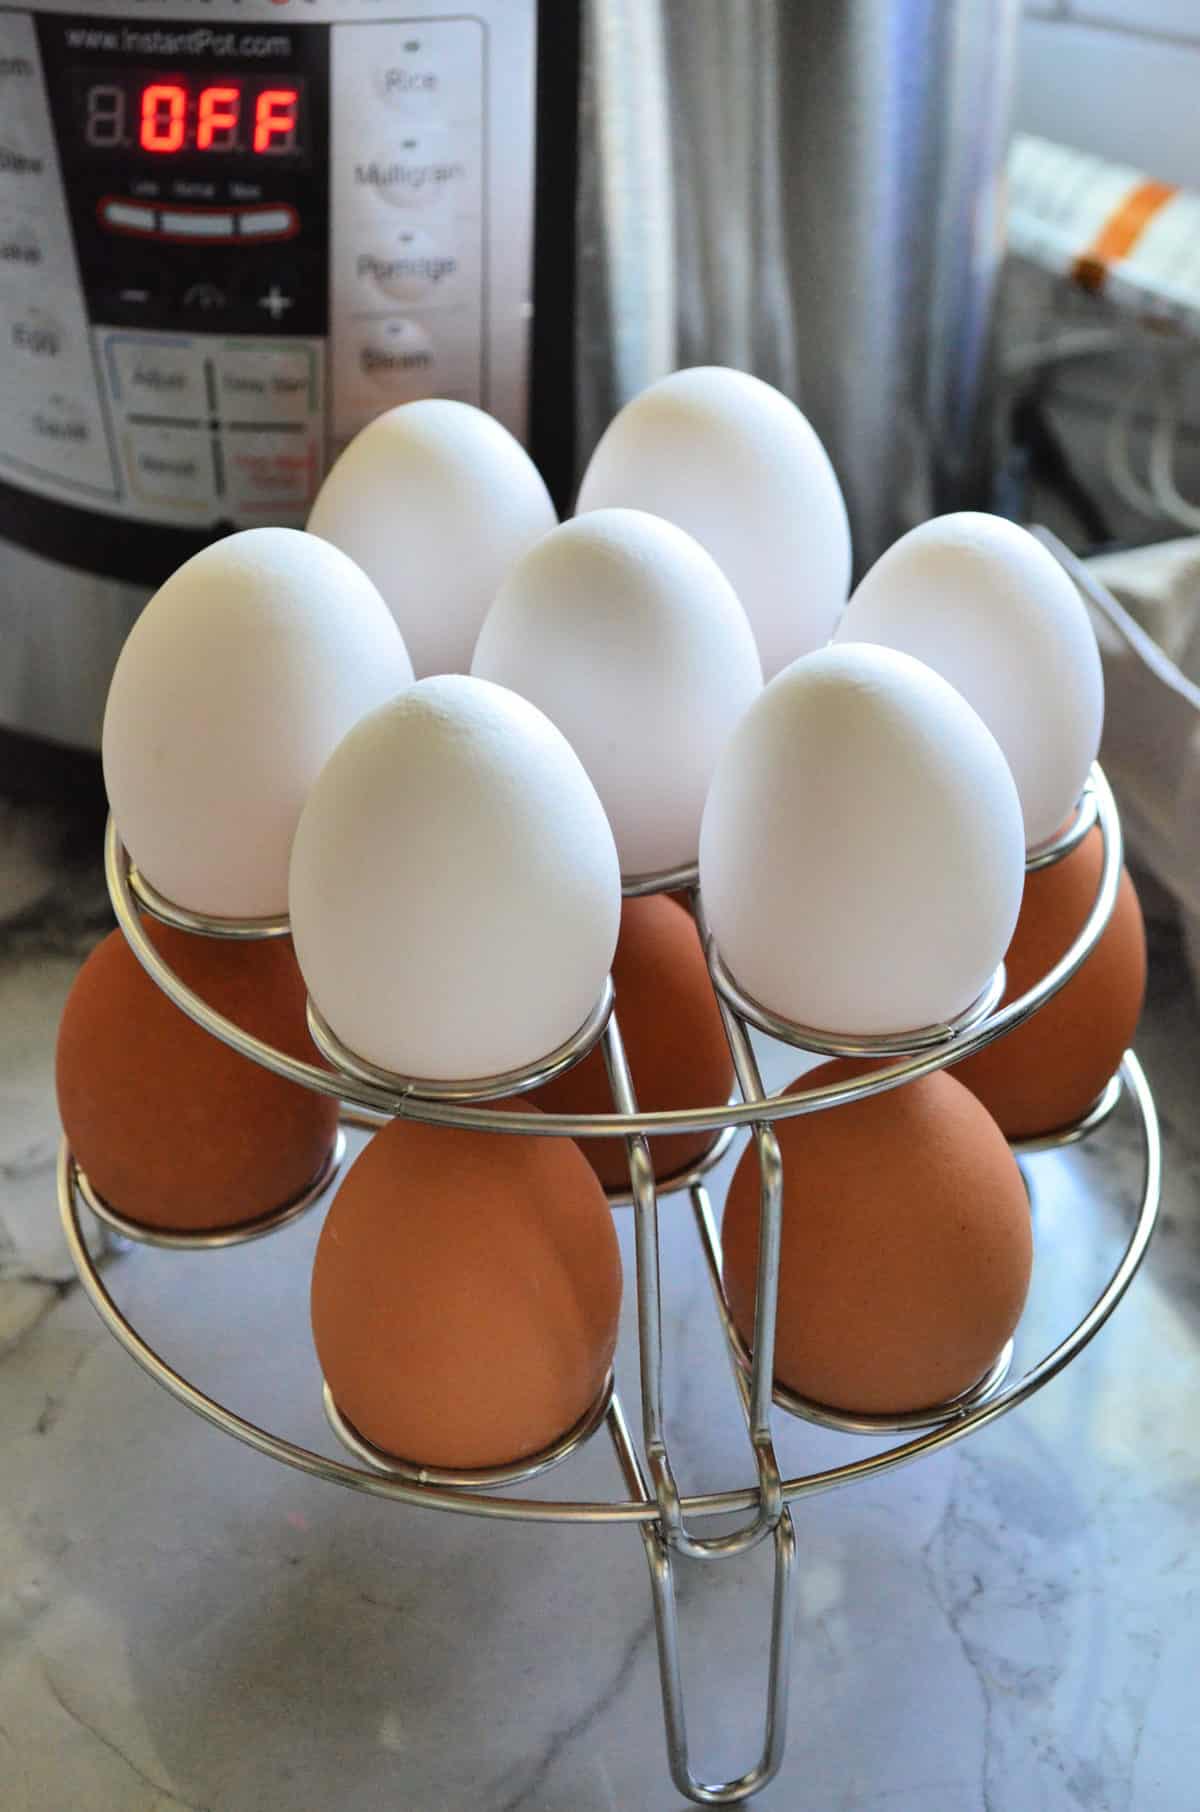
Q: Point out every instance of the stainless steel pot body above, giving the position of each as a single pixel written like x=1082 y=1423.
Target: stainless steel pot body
x=810 y=190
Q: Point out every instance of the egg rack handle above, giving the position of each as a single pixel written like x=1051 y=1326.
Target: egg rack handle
x=667 y=1541
x=660 y=1561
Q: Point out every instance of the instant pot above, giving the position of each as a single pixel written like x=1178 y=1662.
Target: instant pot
x=232 y=231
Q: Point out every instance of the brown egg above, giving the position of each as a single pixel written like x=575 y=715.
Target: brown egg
x=674 y=1042
x=174 y=1130
x=465 y=1294
x=906 y=1249
x=1050 y=1070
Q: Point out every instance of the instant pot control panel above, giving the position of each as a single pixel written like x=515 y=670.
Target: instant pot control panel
x=228 y=242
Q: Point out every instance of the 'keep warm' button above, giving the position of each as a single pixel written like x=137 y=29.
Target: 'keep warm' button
x=267 y=473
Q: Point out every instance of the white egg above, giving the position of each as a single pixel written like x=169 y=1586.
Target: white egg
x=238 y=680
x=630 y=638
x=455 y=893
x=732 y=461
x=862 y=855
x=984 y=603
x=436 y=501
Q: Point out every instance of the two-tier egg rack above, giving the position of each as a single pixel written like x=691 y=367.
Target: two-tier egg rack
x=670 y=1525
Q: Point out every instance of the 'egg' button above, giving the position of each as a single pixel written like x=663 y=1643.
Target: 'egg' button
x=34 y=340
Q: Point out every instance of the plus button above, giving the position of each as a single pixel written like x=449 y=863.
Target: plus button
x=275 y=302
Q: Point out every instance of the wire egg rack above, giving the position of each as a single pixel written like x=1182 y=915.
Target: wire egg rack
x=673 y=1527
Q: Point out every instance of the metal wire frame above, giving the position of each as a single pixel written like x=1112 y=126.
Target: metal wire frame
x=204 y=923
x=670 y=1538
x=1083 y=820
x=642 y=1507
x=401 y=1102
x=663 y=1516
x=1101 y=1109
x=674 y=1182
x=848 y=1044
x=666 y=1627
x=635 y=1509
x=665 y=880
x=643 y=1191
x=530 y=1466
x=211 y=1239
x=848 y=1422
x=674 y=1530
x=483 y=1088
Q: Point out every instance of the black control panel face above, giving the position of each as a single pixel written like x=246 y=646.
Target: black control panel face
x=227 y=242
x=196 y=172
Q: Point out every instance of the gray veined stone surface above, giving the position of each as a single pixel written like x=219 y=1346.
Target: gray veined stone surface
x=53 y=908
x=1008 y=1627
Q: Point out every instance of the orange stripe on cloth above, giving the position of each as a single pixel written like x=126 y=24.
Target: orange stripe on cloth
x=1121 y=232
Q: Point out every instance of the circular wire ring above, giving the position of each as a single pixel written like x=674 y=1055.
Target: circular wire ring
x=476 y=1478
x=868 y=1422
x=213 y=1239
x=1080 y=824
x=482 y=1088
x=203 y=924
x=664 y=880
x=856 y=1044
x=479 y=1118
x=713 y=1503
x=1101 y=1109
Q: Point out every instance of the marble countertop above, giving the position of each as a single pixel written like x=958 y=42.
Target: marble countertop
x=1010 y=1626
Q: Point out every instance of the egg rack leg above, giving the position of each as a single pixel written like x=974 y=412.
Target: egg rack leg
x=650 y=1356
x=661 y=1560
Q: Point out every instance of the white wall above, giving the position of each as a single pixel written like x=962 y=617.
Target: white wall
x=1120 y=78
